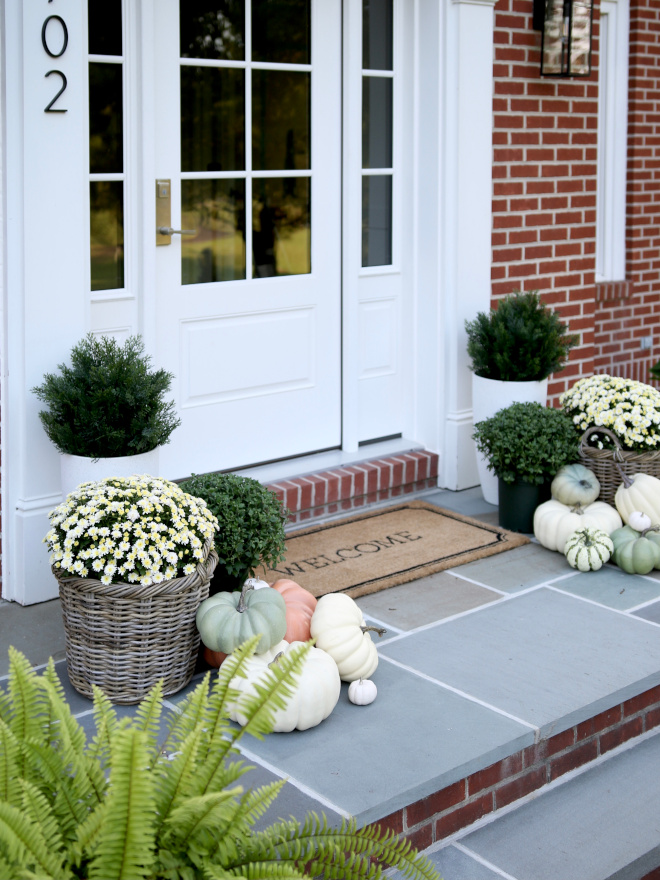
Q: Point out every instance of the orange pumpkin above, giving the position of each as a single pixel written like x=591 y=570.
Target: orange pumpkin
x=300 y=605
x=214 y=658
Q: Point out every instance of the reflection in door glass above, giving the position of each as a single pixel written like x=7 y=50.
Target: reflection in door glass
x=216 y=209
x=281 y=31
x=212 y=119
x=376 y=122
x=376 y=220
x=213 y=29
x=107 y=234
x=377 y=33
x=106 y=147
x=280 y=120
x=104 y=27
x=281 y=226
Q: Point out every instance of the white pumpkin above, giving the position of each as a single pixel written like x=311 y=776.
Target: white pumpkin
x=362 y=692
x=316 y=692
x=587 y=549
x=575 y=484
x=258 y=584
x=339 y=628
x=555 y=522
x=638 y=492
x=639 y=521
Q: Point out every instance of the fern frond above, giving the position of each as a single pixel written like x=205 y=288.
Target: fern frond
x=173 y=777
x=105 y=721
x=195 y=814
x=125 y=849
x=10 y=750
x=67 y=803
x=256 y=871
x=87 y=835
x=11 y=872
x=26 y=698
x=189 y=717
x=5 y=706
x=253 y=805
x=39 y=811
x=147 y=717
x=24 y=843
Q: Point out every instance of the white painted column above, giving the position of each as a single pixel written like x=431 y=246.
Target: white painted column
x=465 y=215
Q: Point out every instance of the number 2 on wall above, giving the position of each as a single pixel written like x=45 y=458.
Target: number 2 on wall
x=49 y=107
x=65 y=41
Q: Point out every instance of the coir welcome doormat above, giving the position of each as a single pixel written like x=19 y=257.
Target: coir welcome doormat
x=386 y=547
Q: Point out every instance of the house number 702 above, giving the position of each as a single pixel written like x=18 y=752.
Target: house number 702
x=44 y=42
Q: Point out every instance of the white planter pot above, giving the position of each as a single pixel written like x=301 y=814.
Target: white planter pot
x=488 y=397
x=76 y=469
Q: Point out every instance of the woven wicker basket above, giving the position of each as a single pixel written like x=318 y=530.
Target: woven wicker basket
x=607 y=464
x=125 y=637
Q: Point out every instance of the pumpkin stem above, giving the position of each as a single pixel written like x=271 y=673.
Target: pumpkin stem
x=373 y=629
x=577 y=508
x=627 y=482
x=247 y=586
x=276 y=659
x=642 y=534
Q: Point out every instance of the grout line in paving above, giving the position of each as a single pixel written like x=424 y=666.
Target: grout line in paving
x=464 y=694
x=623 y=612
x=305 y=789
x=643 y=605
x=482 y=861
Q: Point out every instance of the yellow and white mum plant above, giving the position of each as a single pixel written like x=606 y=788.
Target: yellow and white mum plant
x=138 y=529
x=630 y=409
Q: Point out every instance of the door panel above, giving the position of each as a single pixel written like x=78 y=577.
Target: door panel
x=248 y=307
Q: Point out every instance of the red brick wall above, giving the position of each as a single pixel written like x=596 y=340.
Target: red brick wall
x=544 y=182
x=544 y=193
x=628 y=313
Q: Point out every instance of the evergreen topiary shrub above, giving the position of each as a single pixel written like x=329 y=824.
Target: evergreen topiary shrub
x=108 y=402
x=519 y=341
x=251 y=522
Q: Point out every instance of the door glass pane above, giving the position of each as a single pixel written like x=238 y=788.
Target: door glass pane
x=281 y=226
x=107 y=234
x=105 y=118
x=216 y=209
x=212 y=119
x=376 y=122
x=281 y=31
x=104 y=27
x=280 y=120
x=377 y=34
x=376 y=220
x=213 y=29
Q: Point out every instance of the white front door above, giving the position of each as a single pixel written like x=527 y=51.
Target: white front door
x=247 y=130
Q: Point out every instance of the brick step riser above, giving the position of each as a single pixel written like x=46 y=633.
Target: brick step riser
x=451 y=809
x=346 y=488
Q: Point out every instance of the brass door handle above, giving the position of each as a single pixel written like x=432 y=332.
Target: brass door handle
x=167 y=230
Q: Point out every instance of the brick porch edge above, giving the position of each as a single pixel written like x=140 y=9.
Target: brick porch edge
x=447 y=811
x=355 y=485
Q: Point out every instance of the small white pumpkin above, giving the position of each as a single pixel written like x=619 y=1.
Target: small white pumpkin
x=575 y=484
x=339 y=628
x=638 y=492
x=555 y=522
x=639 y=521
x=258 y=584
x=587 y=549
x=316 y=692
x=362 y=692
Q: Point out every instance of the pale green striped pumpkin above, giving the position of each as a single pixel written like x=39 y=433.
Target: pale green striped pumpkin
x=587 y=549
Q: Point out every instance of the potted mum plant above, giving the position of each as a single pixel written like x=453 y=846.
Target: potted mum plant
x=525 y=444
x=133 y=558
x=618 y=423
x=106 y=411
x=513 y=350
x=251 y=522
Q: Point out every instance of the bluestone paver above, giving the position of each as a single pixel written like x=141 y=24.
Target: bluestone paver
x=612 y=587
x=518 y=569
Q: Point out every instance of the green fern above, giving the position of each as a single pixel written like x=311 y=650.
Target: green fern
x=122 y=808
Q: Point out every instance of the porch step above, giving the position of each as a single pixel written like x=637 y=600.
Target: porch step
x=336 y=490
x=603 y=824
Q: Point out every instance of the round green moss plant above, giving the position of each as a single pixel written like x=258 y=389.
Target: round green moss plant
x=251 y=522
x=108 y=402
x=522 y=340
x=527 y=441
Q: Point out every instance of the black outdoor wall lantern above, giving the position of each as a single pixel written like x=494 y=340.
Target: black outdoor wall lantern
x=566 y=40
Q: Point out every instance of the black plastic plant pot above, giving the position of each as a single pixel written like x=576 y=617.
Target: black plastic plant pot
x=517 y=503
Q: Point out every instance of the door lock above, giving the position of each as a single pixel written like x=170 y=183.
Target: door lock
x=164 y=230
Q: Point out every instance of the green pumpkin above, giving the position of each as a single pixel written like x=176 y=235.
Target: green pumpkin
x=636 y=552
x=226 y=620
x=575 y=484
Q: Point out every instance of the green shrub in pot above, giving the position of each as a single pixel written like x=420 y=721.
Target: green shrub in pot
x=108 y=402
x=521 y=340
x=251 y=522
